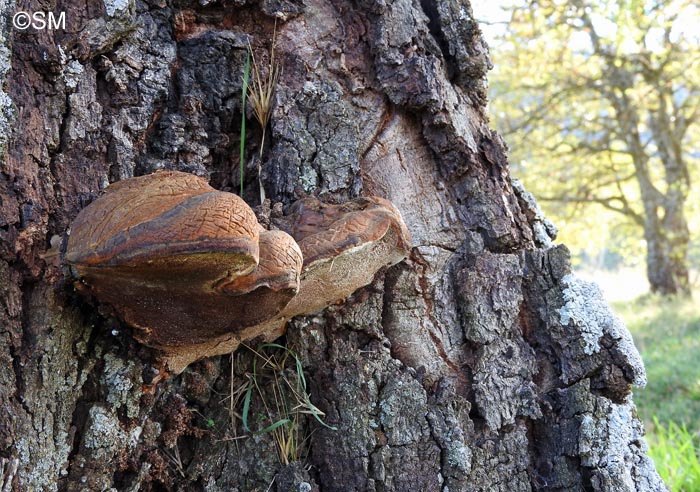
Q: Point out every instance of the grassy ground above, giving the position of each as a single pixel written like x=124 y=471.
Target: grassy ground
x=667 y=333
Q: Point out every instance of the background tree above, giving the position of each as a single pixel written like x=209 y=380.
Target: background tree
x=600 y=102
x=478 y=364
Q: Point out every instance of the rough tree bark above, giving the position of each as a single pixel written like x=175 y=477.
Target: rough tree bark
x=478 y=364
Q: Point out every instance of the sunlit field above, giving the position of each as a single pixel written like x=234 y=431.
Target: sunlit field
x=619 y=286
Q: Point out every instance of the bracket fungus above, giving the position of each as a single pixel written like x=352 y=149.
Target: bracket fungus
x=192 y=270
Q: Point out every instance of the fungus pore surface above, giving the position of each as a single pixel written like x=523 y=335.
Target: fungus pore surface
x=195 y=274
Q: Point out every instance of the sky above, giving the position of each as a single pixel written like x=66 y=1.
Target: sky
x=491 y=16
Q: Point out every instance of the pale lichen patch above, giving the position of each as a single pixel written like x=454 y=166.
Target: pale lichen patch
x=115 y=8
x=118 y=377
x=587 y=311
x=103 y=433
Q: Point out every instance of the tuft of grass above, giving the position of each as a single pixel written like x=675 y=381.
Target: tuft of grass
x=261 y=95
x=676 y=453
x=276 y=385
x=667 y=334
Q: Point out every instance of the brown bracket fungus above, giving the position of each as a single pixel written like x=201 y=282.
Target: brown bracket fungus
x=193 y=272
x=343 y=248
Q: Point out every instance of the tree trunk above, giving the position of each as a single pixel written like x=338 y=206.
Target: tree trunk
x=478 y=364
x=667 y=249
x=667 y=265
x=665 y=227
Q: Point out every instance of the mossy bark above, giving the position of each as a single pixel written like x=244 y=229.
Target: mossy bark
x=473 y=365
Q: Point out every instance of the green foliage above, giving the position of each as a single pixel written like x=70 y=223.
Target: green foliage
x=667 y=333
x=591 y=97
x=676 y=453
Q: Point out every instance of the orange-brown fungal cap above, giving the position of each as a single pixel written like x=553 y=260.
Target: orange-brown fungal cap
x=325 y=230
x=279 y=267
x=194 y=273
x=159 y=216
x=166 y=251
x=343 y=246
x=268 y=289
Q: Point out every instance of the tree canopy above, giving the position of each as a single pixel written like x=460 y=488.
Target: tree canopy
x=599 y=103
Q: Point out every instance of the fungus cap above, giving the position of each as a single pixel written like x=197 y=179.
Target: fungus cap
x=193 y=272
x=168 y=252
x=343 y=247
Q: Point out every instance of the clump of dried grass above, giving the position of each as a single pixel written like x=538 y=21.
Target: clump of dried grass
x=261 y=91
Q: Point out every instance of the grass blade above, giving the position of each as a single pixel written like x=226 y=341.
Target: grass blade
x=302 y=382
x=246 y=407
x=314 y=412
x=272 y=427
x=241 y=159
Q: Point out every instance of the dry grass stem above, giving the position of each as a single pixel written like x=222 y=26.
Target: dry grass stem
x=276 y=385
x=260 y=95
